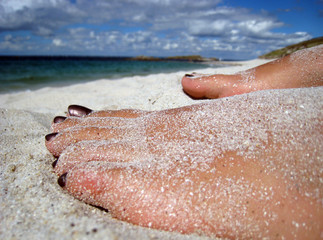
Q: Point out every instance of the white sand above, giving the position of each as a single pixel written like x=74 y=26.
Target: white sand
x=32 y=205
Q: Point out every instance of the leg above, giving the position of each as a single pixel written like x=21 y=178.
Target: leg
x=301 y=69
x=201 y=168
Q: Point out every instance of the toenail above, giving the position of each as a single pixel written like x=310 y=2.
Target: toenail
x=78 y=111
x=54 y=163
x=62 y=180
x=59 y=119
x=189 y=75
x=50 y=136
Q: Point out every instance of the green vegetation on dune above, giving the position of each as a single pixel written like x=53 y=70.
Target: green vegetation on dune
x=293 y=48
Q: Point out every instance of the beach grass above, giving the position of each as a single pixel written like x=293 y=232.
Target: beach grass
x=292 y=48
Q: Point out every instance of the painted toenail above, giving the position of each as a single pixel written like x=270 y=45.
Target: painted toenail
x=50 y=136
x=189 y=75
x=59 y=119
x=54 y=163
x=78 y=111
x=62 y=180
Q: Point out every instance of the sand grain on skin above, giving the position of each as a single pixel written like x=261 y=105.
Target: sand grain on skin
x=160 y=159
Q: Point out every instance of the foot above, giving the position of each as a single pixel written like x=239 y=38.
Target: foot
x=191 y=171
x=301 y=69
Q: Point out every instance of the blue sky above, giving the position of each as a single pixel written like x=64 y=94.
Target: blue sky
x=230 y=29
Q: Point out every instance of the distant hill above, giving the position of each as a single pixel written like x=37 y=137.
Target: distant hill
x=293 y=48
x=191 y=58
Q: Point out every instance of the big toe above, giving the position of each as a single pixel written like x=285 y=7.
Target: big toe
x=134 y=194
x=194 y=86
x=211 y=86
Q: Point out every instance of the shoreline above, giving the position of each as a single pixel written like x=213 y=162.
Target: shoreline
x=32 y=73
x=126 y=92
x=32 y=204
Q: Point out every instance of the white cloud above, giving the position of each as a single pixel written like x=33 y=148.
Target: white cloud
x=16 y=43
x=170 y=46
x=42 y=17
x=184 y=27
x=58 y=42
x=17 y=5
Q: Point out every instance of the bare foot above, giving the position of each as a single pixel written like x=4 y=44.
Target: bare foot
x=248 y=167
x=301 y=69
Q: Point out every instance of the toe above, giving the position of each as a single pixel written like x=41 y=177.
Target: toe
x=194 y=86
x=212 y=86
x=124 y=113
x=60 y=123
x=80 y=111
x=88 y=122
x=90 y=151
x=80 y=116
x=57 y=142
x=134 y=195
x=59 y=119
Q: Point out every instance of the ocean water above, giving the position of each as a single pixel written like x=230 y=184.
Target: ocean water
x=30 y=73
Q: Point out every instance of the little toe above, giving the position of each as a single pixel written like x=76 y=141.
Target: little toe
x=70 y=122
x=80 y=111
x=124 y=113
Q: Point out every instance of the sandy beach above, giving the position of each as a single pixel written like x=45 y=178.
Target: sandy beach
x=32 y=204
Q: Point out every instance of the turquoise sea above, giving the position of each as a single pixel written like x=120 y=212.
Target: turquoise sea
x=30 y=73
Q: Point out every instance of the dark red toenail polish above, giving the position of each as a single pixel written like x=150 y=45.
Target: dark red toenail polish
x=189 y=75
x=50 y=136
x=54 y=163
x=59 y=119
x=78 y=111
x=62 y=180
